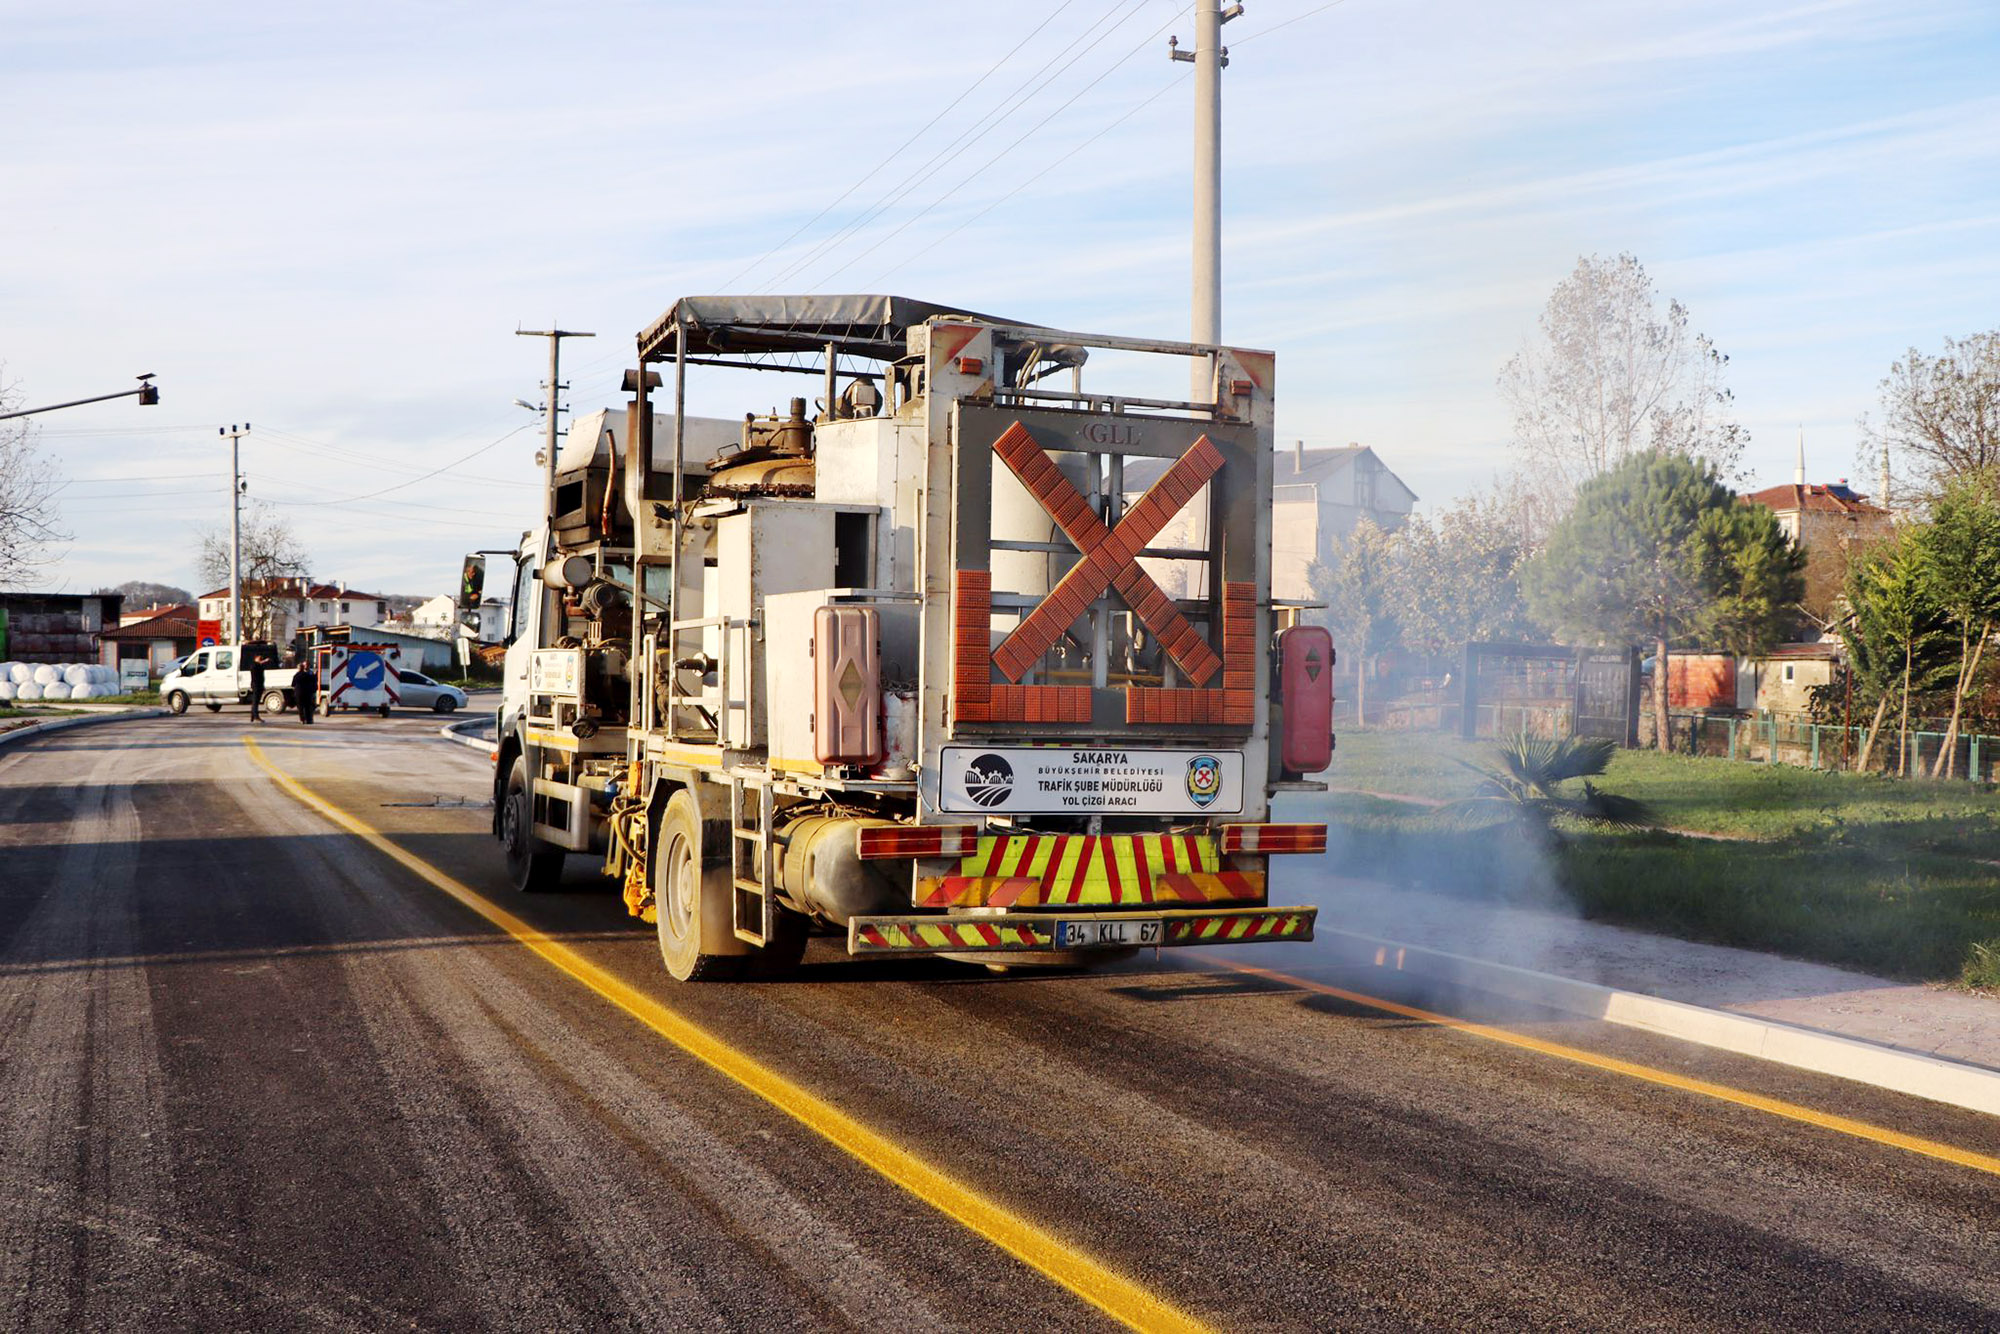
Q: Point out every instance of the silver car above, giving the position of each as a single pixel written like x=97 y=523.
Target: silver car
x=418 y=691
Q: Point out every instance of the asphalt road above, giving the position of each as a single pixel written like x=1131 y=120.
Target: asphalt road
x=254 y=1073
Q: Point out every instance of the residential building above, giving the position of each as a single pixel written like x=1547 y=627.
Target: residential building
x=1318 y=497
x=159 y=640
x=1829 y=522
x=278 y=609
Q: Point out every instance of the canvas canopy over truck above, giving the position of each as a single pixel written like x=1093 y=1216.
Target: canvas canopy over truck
x=912 y=664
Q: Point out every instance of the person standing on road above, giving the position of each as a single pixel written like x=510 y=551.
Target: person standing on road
x=305 y=690
x=256 y=663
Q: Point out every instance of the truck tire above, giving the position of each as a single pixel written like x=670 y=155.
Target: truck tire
x=212 y=707
x=385 y=710
x=691 y=907
x=275 y=701
x=177 y=702
x=532 y=865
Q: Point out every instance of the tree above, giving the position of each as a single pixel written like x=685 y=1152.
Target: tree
x=1957 y=556
x=28 y=485
x=1459 y=573
x=1898 y=640
x=1612 y=376
x=146 y=593
x=1941 y=416
x=1659 y=549
x=270 y=553
x=1361 y=592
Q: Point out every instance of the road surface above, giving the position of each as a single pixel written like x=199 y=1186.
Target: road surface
x=257 y=1070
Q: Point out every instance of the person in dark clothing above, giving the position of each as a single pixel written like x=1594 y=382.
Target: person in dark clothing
x=305 y=690
x=257 y=663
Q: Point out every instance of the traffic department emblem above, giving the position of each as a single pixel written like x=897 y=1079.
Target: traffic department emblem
x=1204 y=779
x=989 y=779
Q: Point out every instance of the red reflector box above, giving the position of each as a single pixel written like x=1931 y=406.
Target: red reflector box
x=847 y=686
x=1305 y=684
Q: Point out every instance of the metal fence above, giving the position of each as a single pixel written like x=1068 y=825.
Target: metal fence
x=1775 y=738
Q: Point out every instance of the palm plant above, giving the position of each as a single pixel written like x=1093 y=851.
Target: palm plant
x=1527 y=791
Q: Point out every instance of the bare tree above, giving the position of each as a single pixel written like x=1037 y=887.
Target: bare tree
x=28 y=484
x=1940 y=418
x=271 y=555
x=1613 y=375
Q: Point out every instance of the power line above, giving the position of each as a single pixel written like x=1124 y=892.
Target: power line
x=966 y=139
x=491 y=444
x=1261 y=32
x=1130 y=112
x=988 y=164
x=897 y=152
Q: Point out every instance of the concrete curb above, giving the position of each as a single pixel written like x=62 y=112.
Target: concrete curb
x=1918 y=1074
x=80 y=720
x=455 y=732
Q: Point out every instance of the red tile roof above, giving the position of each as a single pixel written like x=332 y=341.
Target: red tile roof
x=174 y=623
x=298 y=589
x=1831 y=499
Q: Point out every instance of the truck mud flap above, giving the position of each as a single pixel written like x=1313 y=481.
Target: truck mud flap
x=1014 y=932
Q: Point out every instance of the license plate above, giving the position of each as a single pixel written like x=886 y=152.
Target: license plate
x=1087 y=935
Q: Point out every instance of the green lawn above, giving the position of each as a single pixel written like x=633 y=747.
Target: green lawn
x=1895 y=877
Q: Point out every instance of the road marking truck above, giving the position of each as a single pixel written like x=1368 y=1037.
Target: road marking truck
x=978 y=658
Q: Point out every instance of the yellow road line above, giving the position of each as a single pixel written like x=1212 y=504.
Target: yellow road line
x=1110 y=1292
x=1791 y=1111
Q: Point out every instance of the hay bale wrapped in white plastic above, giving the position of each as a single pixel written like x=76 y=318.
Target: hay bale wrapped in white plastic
x=46 y=675
x=23 y=673
x=55 y=690
x=107 y=675
x=27 y=690
x=76 y=674
x=7 y=687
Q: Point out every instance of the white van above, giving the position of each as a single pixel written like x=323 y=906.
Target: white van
x=216 y=675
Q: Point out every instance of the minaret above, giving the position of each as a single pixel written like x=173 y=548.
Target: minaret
x=1799 y=473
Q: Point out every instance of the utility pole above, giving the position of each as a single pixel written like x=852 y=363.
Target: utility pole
x=235 y=434
x=1209 y=58
x=552 y=404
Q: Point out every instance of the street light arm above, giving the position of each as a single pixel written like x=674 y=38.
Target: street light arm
x=147 y=393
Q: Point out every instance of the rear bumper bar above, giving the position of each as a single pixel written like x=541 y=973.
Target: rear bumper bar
x=1013 y=933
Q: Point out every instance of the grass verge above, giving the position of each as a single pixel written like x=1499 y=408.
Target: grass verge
x=1897 y=878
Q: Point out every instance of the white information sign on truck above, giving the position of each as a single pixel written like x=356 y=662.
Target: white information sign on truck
x=1050 y=780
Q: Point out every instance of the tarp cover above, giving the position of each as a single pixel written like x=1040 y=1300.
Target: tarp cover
x=863 y=326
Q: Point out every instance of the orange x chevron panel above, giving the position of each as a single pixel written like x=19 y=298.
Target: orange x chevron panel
x=1110 y=555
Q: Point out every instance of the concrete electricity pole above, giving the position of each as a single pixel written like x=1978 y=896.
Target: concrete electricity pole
x=554 y=388
x=235 y=434
x=1209 y=57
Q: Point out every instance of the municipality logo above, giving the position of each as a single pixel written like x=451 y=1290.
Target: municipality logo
x=1204 y=779
x=989 y=780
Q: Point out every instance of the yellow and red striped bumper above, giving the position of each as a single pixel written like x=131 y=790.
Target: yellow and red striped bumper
x=1027 y=870
x=921 y=934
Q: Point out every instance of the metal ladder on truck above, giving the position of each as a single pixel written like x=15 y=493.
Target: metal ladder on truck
x=752 y=873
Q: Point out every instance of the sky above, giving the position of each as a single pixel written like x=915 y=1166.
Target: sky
x=330 y=221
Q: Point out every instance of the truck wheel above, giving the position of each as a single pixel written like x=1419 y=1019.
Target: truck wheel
x=532 y=865
x=385 y=710
x=213 y=708
x=691 y=907
x=177 y=702
x=274 y=701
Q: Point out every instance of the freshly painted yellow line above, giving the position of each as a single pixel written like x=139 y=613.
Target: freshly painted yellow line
x=1110 y=1292
x=1791 y=1111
